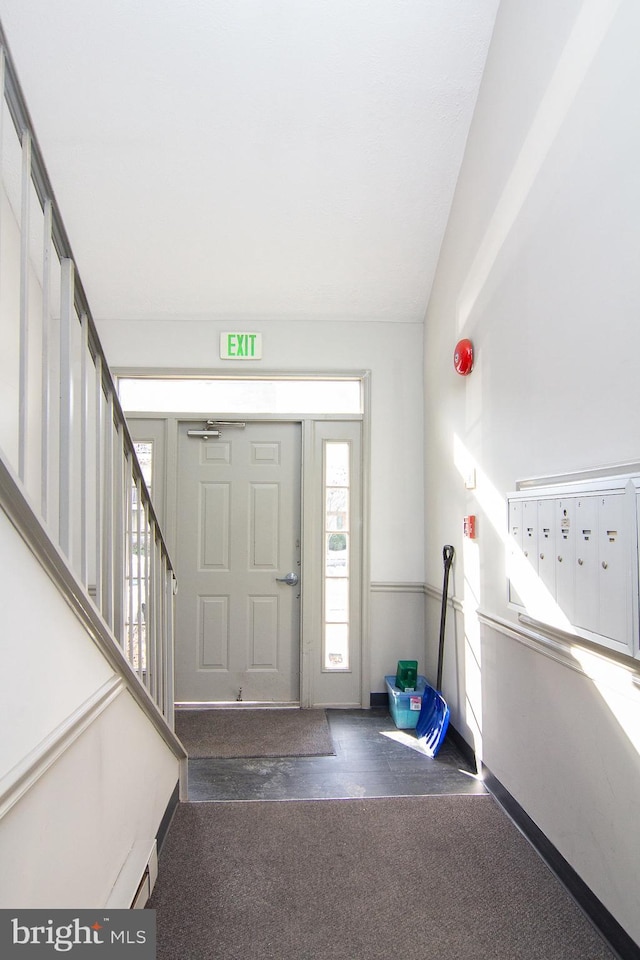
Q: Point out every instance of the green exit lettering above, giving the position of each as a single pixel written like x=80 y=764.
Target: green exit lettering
x=241 y=346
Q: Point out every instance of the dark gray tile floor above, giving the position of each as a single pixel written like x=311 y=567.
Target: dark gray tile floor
x=372 y=759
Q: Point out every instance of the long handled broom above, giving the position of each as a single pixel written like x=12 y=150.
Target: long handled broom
x=433 y=721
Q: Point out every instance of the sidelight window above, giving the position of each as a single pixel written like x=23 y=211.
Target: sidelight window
x=337 y=533
x=138 y=566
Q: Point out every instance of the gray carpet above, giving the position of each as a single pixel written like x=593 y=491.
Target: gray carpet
x=412 y=878
x=254 y=733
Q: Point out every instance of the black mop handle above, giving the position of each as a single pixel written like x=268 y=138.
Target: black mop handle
x=447 y=556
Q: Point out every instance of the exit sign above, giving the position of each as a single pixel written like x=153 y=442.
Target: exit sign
x=240 y=346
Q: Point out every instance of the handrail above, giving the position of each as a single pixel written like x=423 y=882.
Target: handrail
x=22 y=121
x=67 y=447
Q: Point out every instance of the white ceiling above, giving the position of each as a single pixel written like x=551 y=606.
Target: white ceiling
x=252 y=159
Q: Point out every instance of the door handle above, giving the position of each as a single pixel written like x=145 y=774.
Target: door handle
x=291 y=579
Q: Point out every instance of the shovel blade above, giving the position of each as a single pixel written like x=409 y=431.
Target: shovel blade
x=433 y=721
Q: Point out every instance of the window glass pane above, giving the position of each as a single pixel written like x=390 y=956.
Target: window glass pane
x=337 y=464
x=336 y=645
x=337 y=509
x=144 y=453
x=138 y=547
x=337 y=555
x=240 y=395
x=336 y=599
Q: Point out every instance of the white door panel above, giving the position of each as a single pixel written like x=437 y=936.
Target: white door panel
x=237 y=624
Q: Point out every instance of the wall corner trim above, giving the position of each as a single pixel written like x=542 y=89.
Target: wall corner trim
x=396 y=586
x=569 y=651
x=435 y=593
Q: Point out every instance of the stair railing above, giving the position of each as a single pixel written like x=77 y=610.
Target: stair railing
x=65 y=451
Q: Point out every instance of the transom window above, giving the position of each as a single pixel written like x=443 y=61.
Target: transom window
x=327 y=396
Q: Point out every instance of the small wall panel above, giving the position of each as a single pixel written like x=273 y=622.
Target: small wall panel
x=587 y=601
x=263 y=526
x=215 y=451
x=213 y=632
x=215 y=526
x=263 y=633
x=265 y=453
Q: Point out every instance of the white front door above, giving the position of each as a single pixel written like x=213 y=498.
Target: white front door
x=237 y=622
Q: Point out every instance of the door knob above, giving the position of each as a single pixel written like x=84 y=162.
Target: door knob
x=291 y=579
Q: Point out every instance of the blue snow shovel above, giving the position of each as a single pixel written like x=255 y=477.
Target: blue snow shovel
x=433 y=721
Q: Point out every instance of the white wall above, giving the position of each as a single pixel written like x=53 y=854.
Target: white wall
x=44 y=650
x=393 y=354
x=85 y=777
x=397 y=629
x=539 y=269
x=82 y=793
x=91 y=817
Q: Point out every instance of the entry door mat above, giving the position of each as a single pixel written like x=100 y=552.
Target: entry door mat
x=407 y=878
x=235 y=733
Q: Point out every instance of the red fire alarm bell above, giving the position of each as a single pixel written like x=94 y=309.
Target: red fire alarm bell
x=463 y=357
x=470 y=527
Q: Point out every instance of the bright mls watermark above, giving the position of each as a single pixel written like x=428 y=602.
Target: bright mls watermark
x=80 y=934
